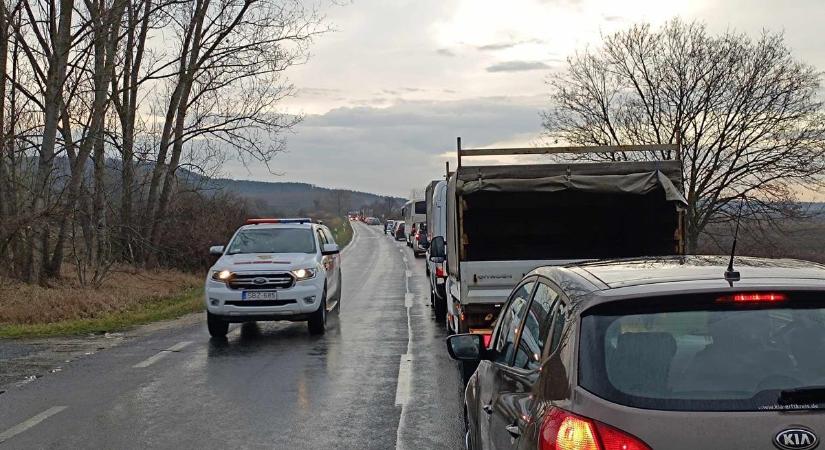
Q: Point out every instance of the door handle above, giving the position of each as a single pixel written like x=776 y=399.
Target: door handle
x=513 y=430
x=488 y=408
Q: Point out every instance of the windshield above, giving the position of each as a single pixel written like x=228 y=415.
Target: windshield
x=703 y=359
x=273 y=240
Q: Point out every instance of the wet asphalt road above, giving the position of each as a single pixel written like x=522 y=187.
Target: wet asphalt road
x=379 y=379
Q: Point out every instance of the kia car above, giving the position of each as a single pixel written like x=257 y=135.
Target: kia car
x=671 y=353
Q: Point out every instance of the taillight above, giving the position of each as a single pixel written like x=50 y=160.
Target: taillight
x=439 y=272
x=487 y=338
x=753 y=297
x=563 y=430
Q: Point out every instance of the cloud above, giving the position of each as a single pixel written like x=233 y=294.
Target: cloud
x=507 y=45
x=445 y=52
x=517 y=66
x=393 y=149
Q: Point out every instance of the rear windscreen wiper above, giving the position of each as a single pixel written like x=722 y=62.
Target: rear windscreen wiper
x=810 y=394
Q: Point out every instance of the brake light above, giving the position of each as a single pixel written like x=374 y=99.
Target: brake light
x=439 y=272
x=753 y=297
x=487 y=338
x=562 y=430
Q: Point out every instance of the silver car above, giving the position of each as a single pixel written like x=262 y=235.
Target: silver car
x=663 y=353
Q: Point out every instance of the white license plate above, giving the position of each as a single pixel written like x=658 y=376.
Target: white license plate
x=260 y=295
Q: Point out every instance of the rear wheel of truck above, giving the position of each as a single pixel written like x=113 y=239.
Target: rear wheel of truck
x=440 y=307
x=217 y=326
x=468 y=368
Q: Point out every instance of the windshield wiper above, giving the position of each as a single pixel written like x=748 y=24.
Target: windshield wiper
x=809 y=394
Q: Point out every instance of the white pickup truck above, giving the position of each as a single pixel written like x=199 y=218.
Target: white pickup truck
x=504 y=221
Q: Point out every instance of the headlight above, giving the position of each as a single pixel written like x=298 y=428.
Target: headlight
x=221 y=276
x=303 y=274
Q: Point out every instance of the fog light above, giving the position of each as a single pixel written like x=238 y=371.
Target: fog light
x=214 y=302
x=309 y=300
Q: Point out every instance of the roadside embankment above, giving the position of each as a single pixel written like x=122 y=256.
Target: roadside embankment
x=127 y=297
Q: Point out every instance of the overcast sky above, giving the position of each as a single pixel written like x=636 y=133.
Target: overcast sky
x=387 y=93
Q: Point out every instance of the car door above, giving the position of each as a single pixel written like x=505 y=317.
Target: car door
x=327 y=262
x=504 y=350
x=513 y=404
x=336 y=259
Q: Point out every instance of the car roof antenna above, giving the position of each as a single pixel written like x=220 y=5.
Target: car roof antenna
x=732 y=275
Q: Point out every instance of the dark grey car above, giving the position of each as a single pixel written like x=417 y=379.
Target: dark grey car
x=653 y=354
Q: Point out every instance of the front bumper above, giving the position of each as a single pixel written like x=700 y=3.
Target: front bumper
x=295 y=303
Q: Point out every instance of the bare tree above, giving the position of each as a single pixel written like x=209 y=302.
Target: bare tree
x=749 y=114
x=227 y=85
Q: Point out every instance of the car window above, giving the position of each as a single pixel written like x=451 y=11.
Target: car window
x=536 y=327
x=272 y=240
x=559 y=319
x=510 y=323
x=321 y=238
x=328 y=235
x=704 y=359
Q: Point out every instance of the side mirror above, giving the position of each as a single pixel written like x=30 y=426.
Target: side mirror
x=216 y=250
x=438 y=250
x=465 y=347
x=330 y=249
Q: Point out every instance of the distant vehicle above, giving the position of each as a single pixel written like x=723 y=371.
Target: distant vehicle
x=388 y=226
x=436 y=194
x=419 y=241
x=413 y=212
x=274 y=269
x=372 y=221
x=663 y=353
x=398 y=232
x=505 y=220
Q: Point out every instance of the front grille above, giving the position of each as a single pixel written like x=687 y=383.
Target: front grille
x=251 y=282
x=259 y=302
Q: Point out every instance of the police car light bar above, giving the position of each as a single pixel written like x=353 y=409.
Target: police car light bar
x=260 y=221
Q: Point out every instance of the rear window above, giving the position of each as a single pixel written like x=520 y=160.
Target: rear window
x=709 y=357
x=421 y=207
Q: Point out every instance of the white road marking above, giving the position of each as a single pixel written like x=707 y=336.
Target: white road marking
x=403 y=390
x=162 y=354
x=25 y=425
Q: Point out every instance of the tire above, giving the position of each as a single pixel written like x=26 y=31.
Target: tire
x=317 y=322
x=440 y=306
x=468 y=368
x=217 y=327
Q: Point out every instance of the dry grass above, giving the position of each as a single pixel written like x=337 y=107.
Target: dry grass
x=126 y=290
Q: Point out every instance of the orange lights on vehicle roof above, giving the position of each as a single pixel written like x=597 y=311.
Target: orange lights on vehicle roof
x=753 y=297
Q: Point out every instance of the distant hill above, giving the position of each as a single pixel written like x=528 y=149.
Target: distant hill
x=286 y=198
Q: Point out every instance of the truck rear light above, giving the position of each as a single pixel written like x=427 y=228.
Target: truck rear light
x=562 y=430
x=753 y=297
x=439 y=272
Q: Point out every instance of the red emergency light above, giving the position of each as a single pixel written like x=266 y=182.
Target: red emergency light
x=271 y=220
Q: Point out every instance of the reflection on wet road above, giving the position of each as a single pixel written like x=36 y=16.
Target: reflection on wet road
x=269 y=385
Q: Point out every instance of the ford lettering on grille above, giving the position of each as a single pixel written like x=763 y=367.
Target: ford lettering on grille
x=259 y=280
x=796 y=439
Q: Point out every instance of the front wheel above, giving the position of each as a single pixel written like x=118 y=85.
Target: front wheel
x=317 y=322
x=217 y=327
